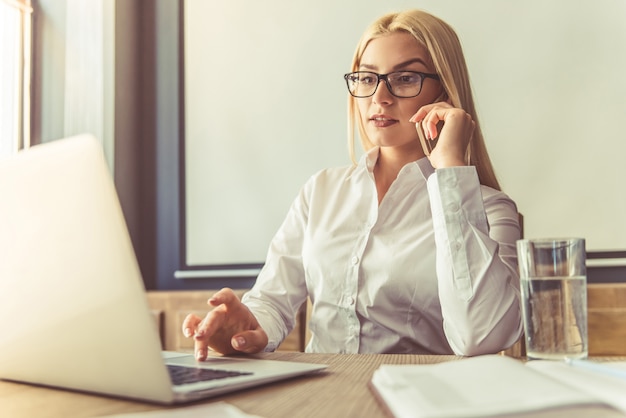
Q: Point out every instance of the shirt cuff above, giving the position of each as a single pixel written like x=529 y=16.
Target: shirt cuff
x=268 y=324
x=456 y=203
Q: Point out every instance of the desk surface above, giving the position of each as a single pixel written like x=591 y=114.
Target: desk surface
x=339 y=391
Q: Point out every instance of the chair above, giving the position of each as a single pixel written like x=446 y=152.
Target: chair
x=606 y=319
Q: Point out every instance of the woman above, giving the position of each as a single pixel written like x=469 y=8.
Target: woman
x=407 y=251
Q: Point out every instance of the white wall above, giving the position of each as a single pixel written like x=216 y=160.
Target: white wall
x=548 y=78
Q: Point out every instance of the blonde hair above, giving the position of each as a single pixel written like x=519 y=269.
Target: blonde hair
x=446 y=53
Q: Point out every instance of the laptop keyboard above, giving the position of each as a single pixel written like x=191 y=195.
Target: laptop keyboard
x=182 y=375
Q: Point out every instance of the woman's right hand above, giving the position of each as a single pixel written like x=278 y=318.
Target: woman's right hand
x=228 y=328
x=454 y=137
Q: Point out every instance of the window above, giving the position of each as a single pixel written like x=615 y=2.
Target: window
x=15 y=50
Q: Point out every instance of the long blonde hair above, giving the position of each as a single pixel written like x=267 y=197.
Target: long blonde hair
x=446 y=53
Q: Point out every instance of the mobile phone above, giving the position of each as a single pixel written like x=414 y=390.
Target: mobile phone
x=428 y=145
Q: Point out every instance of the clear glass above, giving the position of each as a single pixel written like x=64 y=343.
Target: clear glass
x=553 y=280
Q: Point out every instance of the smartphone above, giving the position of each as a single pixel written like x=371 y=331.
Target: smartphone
x=428 y=145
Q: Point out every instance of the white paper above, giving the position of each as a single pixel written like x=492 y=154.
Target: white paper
x=609 y=389
x=215 y=409
x=474 y=387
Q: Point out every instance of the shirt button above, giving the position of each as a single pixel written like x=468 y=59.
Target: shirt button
x=451 y=182
x=350 y=300
x=354 y=260
x=453 y=207
x=456 y=245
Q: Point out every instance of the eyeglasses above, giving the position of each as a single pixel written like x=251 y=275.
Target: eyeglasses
x=400 y=83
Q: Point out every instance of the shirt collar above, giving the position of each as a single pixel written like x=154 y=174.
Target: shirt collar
x=368 y=160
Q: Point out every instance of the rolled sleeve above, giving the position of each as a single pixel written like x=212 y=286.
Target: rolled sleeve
x=475 y=232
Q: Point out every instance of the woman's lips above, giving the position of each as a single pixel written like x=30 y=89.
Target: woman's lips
x=380 y=121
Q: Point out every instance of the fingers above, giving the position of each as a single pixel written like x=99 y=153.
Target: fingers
x=455 y=119
x=223 y=296
x=192 y=328
x=212 y=322
x=426 y=109
x=250 y=341
x=227 y=328
x=207 y=334
x=453 y=128
x=200 y=350
x=190 y=324
x=431 y=115
x=203 y=329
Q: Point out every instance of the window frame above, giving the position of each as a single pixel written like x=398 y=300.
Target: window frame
x=17 y=120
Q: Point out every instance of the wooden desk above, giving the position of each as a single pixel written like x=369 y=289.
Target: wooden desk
x=340 y=391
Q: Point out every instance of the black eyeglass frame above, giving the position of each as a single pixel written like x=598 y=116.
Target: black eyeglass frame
x=385 y=78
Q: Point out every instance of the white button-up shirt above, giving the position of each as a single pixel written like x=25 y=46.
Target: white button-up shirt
x=432 y=269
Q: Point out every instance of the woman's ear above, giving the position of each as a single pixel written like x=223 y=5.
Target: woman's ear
x=443 y=97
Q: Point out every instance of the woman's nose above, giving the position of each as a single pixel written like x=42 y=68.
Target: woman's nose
x=382 y=95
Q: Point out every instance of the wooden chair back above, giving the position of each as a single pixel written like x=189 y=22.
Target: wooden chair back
x=606 y=319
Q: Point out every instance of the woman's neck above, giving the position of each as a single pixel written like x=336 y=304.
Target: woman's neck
x=389 y=163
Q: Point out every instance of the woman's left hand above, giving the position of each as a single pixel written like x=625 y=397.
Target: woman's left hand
x=456 y=132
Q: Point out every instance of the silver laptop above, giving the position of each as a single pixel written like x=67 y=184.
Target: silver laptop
x=73 y=309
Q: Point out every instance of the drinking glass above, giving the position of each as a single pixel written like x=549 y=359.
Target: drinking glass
x=553 y=279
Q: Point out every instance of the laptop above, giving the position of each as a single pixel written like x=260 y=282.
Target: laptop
x=73 y=308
